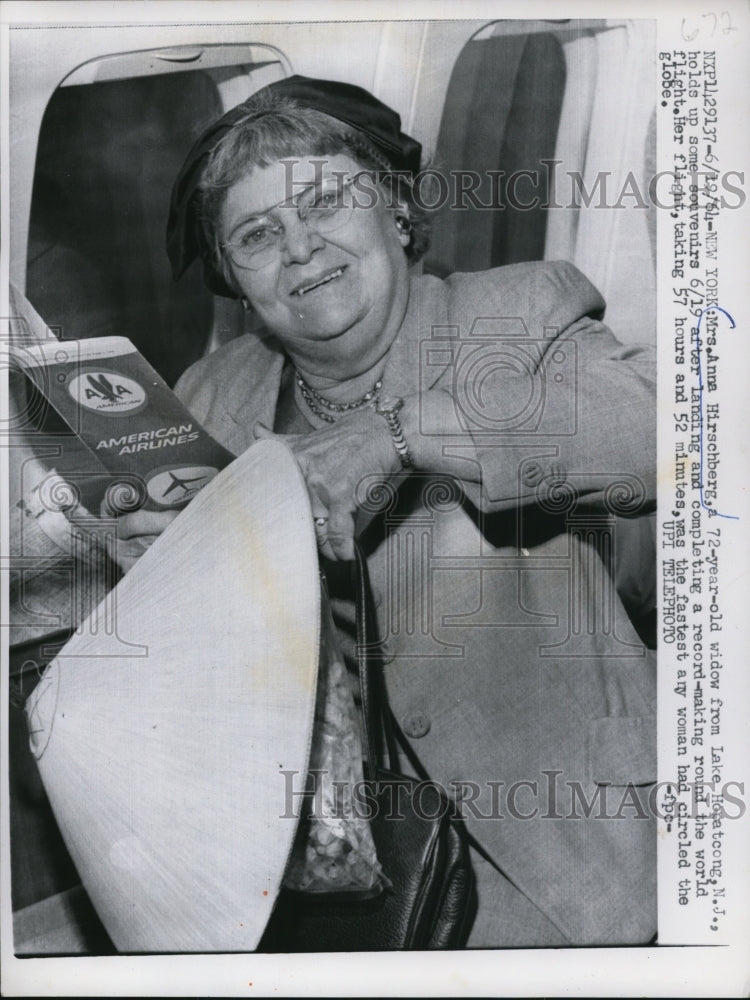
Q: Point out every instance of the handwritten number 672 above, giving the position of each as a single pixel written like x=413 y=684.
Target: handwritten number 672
x=722 y=22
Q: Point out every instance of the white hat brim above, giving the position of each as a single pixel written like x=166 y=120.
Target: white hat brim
x=163 y=729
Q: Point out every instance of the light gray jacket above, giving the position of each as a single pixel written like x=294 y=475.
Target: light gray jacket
x=514 y=669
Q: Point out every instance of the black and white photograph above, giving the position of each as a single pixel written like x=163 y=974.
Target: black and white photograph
x=374 y=499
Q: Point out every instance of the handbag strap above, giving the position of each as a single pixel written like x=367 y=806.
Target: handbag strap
x=377 y=717
x=379 y=720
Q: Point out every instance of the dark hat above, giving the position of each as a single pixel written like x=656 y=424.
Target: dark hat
x=352 y=105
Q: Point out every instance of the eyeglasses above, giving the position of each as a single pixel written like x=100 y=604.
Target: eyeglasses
x=325 y=208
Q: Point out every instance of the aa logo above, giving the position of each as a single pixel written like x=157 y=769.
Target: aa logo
x=107 y=392
x=173 y=487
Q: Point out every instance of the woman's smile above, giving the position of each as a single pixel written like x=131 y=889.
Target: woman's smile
x=319 y=281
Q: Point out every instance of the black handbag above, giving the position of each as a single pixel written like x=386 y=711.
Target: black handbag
x=420 y=840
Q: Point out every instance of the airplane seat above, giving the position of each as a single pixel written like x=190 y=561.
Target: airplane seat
x=107 y=157
x=502 y=113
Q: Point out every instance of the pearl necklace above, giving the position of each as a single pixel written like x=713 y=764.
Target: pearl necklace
x=319 y=404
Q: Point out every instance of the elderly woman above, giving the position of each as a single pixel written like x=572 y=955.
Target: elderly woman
x=476 y=435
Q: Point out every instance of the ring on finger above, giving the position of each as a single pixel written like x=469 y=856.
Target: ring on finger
x=320 y=522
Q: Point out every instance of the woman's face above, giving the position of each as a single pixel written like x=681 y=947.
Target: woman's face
x=334 y=299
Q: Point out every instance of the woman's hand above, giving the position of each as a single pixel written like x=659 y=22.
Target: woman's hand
x=334 y=460
x=136 y=532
